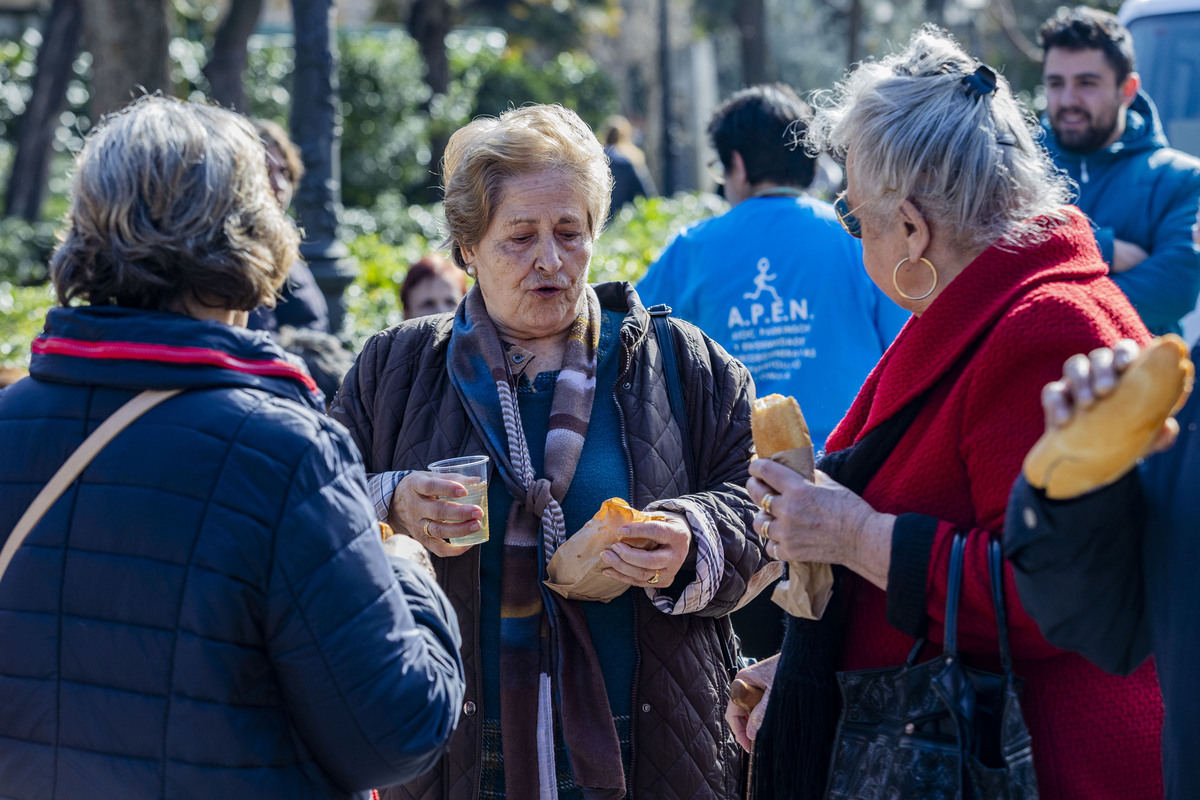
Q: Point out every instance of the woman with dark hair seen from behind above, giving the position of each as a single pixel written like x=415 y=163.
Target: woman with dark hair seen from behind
x=208 y=610
x=432 y=285
x=561 y=385
x=300 y=303
x=962 y=223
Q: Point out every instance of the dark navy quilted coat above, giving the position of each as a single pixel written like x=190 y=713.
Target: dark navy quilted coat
x=208 y=612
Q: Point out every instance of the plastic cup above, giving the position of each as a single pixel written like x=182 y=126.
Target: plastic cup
x=471 y=472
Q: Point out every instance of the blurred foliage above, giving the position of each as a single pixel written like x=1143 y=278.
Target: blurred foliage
x=25 y=251
x=22 y=310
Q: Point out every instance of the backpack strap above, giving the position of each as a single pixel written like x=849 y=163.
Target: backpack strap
x=74 y=465
x=666 y=344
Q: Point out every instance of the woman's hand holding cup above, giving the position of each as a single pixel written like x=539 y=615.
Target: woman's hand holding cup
x=422 y=508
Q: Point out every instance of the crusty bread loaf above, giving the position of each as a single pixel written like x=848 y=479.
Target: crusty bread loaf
x=1104 y=441
x=778 y=425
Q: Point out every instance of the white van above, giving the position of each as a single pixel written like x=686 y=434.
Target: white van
x=1166 y=41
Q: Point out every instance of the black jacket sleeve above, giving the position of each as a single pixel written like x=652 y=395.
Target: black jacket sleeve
x=1078 y=567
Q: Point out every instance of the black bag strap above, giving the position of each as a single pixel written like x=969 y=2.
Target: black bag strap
x=996 y=569
x=666 y=344
x=953 y=590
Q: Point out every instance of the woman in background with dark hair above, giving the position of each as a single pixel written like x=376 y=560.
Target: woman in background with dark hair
x=433 y=285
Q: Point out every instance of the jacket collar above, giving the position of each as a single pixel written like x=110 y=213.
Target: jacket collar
x=931 y=345
x=132 y=349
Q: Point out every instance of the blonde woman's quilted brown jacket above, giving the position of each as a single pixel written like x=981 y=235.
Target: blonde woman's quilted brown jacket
x=404 y=413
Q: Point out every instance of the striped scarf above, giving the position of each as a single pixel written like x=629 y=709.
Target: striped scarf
x=545 y=650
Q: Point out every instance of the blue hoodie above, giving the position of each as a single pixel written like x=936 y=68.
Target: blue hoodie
x=1140 y=190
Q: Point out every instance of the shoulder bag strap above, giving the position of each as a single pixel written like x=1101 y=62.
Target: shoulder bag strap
x=666 y=343
x=74 y=465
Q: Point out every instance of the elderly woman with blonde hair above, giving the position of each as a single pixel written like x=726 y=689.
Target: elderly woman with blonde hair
x=207 y=610
x=563 y=386
x=962 y=223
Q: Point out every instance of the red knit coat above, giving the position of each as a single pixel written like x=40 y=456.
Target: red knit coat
x=987 y=345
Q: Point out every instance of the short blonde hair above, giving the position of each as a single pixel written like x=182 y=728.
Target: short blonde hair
x=484 y=154
x=171 y=204
x=917 y=132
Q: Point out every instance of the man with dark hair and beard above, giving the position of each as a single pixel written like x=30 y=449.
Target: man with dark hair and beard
x=1105 y=133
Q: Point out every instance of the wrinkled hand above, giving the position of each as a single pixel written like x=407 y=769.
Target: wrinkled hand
x=1089 y=378
x=418 y=510
x=658 y=566
x=745 y=725
x=820 y=521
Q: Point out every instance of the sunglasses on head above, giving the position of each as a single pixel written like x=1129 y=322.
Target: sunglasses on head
x=849 y=222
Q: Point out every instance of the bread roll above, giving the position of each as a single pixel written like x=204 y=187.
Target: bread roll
x=781 y=434
x=778 y=425
x=744 y=695
x=1104 y=441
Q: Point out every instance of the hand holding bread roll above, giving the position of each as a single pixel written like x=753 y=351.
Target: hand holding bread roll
x=781 y=434
x=576 y=570
x=1104 y=440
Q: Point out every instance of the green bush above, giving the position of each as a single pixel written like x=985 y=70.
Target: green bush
x=22 y=310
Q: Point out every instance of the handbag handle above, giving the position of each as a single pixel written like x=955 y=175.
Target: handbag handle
x=996 y=570
x=75 y=464
x=954 y=589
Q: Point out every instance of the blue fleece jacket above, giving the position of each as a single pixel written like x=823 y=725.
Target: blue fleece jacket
x=208 y=611
x=1139 y=190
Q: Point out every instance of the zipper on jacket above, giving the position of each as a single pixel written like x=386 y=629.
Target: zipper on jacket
x=627 y=358
x=633 y=706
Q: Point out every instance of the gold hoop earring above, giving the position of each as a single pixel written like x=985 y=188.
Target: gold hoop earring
x=471 y=270
x=902 y=293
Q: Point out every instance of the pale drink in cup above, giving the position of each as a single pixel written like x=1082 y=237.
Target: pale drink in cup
x=471 y=472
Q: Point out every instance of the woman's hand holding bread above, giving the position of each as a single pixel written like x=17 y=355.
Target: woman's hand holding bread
x=650 y=552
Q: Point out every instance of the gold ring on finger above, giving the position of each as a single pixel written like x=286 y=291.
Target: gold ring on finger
x=425 y=527
x=655 y=578
x=766 y=532
x=768 y=498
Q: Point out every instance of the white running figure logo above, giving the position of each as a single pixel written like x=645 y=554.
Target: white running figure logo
x=760 y=282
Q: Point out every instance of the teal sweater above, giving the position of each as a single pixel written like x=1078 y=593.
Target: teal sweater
x=603 y=472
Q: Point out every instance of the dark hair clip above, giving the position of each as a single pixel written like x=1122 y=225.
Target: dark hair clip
x=981 y=82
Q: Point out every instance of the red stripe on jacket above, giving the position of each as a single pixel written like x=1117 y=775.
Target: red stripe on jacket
x=171 y=354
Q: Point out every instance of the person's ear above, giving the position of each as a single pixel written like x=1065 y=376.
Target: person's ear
x=1129 y=88
x=916 y=230
x=737 y=166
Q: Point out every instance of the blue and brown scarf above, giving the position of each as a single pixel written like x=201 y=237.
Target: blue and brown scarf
x=546 y=653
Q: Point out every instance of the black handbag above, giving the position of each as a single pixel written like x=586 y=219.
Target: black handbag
x=938 y=730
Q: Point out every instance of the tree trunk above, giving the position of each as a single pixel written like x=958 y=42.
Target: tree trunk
x=31 y=163
x=854 y=29
x=429 y=24
x=751 y=20
x=128 y=40
x=228 y=60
